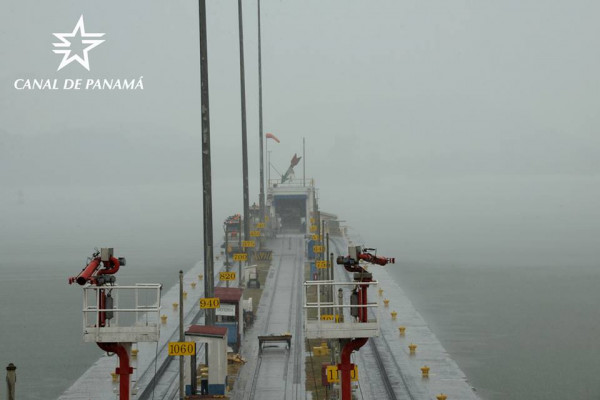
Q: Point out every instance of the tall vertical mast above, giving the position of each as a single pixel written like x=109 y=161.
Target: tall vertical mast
x=260 y=123
x=244 y=140
x=209 y=286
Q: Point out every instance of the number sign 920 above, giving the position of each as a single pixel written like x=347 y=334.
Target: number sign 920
x=210 y=302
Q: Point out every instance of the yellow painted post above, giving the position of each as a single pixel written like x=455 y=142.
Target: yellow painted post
x=413 y=349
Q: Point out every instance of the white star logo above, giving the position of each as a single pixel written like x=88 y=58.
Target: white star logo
x=65 y=45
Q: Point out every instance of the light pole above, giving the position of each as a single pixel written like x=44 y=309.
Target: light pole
x=209 y=285
x=244 y=136
x=260 y=125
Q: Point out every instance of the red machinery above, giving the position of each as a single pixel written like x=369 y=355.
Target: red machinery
x=359 y=297
x=100 y=271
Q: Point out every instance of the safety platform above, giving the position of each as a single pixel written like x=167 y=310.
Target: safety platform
x=131 y=313
x=331 y=309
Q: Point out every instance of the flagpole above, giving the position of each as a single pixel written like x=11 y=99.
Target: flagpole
x=303 y=163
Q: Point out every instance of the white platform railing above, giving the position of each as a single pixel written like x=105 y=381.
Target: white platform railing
x=134 y=315
x=331 y=315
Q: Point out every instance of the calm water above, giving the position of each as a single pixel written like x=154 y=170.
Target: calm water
x=517 y=333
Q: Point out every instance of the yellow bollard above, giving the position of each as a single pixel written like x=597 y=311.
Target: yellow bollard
x=425 y=371
x=200 y=277
x=393 y=314
x=134 y=353
x=193 y=285
x=380 y=292
x=175 y=305
x=441 y=396
x=163 y=319
x=413 y=348
x=402 y=330
x=184 y=294
x=115 y=376
x=386 y=302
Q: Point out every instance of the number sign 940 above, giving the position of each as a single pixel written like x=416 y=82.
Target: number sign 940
x=210 y=302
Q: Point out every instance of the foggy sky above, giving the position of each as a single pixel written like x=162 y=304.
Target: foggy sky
x=441 y=131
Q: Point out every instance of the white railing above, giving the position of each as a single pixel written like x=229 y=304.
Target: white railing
x=332 y=314
x=133 y=317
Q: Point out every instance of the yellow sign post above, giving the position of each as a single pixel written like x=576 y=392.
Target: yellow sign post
x=240 y=256
x=227 y=276
x=260 y=225
x=255 y=233
x=210 y=302
x=318 y=249
x=182 y=348
x=321 y=264
x=248 y=243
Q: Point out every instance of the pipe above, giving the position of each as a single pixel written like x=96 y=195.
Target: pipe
x=108 y=269
x=124 y=371
x=86 y=273
x=375 y=259
x=345 y=366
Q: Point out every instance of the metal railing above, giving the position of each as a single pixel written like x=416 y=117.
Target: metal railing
x=333 y=314
x=131 y=315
